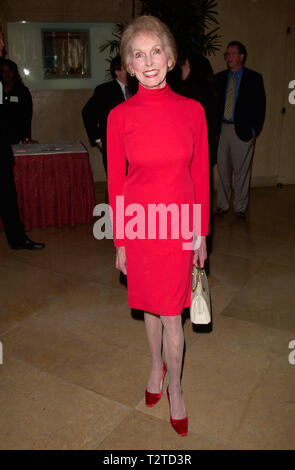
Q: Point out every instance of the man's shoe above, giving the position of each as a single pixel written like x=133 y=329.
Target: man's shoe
x=27 y=244
x=241 y=215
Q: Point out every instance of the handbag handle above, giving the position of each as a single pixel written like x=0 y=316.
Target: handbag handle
x=198 y=277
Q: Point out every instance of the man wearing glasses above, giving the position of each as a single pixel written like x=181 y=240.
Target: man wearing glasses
x=241 y=117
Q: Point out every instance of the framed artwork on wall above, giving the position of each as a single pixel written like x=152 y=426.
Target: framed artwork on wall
x=65 y=53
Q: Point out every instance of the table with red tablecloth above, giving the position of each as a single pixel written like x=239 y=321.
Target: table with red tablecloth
x=54 y=184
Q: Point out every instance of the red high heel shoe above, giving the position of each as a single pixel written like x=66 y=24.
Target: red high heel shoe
x=179 y=425
x=152 y=399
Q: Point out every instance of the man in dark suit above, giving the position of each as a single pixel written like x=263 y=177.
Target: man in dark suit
x=241 y=116
x=105 y=98
x=14 y=228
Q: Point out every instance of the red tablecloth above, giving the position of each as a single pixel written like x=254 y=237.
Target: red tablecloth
x=54 y=189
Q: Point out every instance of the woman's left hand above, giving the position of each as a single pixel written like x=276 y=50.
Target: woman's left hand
x=200 y=254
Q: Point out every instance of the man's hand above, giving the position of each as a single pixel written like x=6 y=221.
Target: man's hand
x=121 y=259
x=99 y=145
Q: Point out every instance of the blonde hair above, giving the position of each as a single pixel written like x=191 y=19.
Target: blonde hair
x=149 y=24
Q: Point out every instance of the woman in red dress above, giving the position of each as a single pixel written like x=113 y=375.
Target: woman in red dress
x=163 y=137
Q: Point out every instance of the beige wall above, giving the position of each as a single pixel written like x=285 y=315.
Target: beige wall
x=260 y=24
x=57 y=114
x=286 y=169
x=57 y=118
x=67 y=10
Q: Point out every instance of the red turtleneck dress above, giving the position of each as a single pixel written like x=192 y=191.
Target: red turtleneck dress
x=163 y=136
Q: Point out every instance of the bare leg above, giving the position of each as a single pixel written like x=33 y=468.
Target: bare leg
x=173 y=341
x=154 y=330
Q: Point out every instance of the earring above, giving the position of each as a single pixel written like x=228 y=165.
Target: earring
x=131 y=74
x=170 y=68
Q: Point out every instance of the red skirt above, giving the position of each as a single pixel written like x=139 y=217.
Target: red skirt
x=158 y=283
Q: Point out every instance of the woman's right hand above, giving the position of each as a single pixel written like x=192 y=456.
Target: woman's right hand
x=121 y=259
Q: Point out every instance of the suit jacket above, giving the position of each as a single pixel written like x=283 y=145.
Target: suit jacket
x=250 y=104
x=209 y=101
x=6 y=154
x=18 y=111
x=95 y=112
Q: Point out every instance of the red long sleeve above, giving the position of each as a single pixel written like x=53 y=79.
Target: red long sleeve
x=164 y=138
x=200 y=167
x=116 y=166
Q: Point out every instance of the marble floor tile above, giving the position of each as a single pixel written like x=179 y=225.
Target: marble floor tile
x=231 y=270
x=221 y=296
x=268 y=419
x=41 y=411
x=89 y=353
x=277 y=248
x=25 y=289
x=5 y=250
x=76 y=359
x=80 y=235
x=222 y=373
x=92 y=297
x=110 y=277
x=267 y=299
x=269 y=209
x=100 y=313
x=84 y=262
x=273 y=203
x=141 y=432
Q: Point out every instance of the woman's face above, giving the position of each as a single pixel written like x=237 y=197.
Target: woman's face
x=149 y=60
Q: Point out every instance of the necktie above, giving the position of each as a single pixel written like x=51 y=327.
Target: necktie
x=229 y=103
x=127 y=92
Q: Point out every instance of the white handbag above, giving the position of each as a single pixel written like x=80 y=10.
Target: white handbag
x=200 y=311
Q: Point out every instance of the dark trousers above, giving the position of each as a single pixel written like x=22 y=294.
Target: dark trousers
x=13 y=227
x=209 y=240
x=104 y=161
